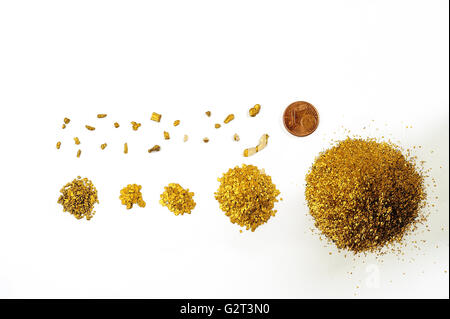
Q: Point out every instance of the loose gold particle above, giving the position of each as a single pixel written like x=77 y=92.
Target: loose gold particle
x=135 y=125
x=63 y=126
x=208 y=113
x=101 y=116
x=247 y=196
x=125 y=148
x=156 y=117
x=176 y=123
x=58 y=145
x=103 y=146
x=116 y=125
x=90 y=128
x=77 y=140
x=66 y=120
x=131 y=194
x=79 y=153
x=254 y=110
x=262 y=144
x=229 y=118
x=217 y=125
x=177 y=199
x=236 y=138
x=155 y=148
x=185 y=138
x=78 y=198
x=206 y=140
x=364 y=194
x=166 y=135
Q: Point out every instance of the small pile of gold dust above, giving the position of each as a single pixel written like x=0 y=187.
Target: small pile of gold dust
x=247 y=196
x=78 y=198
x=131 y=194
x=364 y=194
x=177 y=199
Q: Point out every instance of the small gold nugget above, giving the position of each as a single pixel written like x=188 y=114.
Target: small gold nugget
x=166 y=135
x=208 y=113
x=101 y=116
x=125 y=148
x=254 y=110
x=155 y=148
x=58 y=145
x=176 y=123
x=66 y=120
x=90 y=128
x=206 y=140
x=262 y=144
x=78 y=153
x=103 y=146
x=217 y=125
x=116 y=125
x=229 y=118
x=185 y=138
x=236 y=137
x=135 y=125
x=77 y=141
x=156 y=117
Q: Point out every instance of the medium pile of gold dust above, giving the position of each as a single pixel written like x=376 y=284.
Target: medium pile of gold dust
x=247 y=196
x=364 y=194
x=177 y=199
x=130 y=195
x=78 y=198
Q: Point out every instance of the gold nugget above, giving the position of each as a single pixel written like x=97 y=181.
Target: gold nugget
x=156 y=117
x=155 y=148
x=229 y=118
x=90 y=128
x=217 y=125
x=58 y=145
x=254 y=110
x=101 y=116
x=262 y=144
x=103 y=146
x=208 y=113
x=79 y=153
x=125 y=148
x=135 y=125
x=176 y=123
x=116 y=125
x=166 y=135
x=77 y=141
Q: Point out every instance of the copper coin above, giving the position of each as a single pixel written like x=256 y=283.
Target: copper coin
x=301 y=118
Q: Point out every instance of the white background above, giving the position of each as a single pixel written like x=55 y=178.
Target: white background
x=382 y=65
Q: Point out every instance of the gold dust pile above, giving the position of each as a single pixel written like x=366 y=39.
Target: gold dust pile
x=364 y=194
x=130 y=195
x=177 y=199
x=78 y=198
x=247 y=196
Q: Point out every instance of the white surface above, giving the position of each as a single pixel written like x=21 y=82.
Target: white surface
x=356 y=61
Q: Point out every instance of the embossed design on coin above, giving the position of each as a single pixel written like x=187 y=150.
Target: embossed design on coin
x=301 y=118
